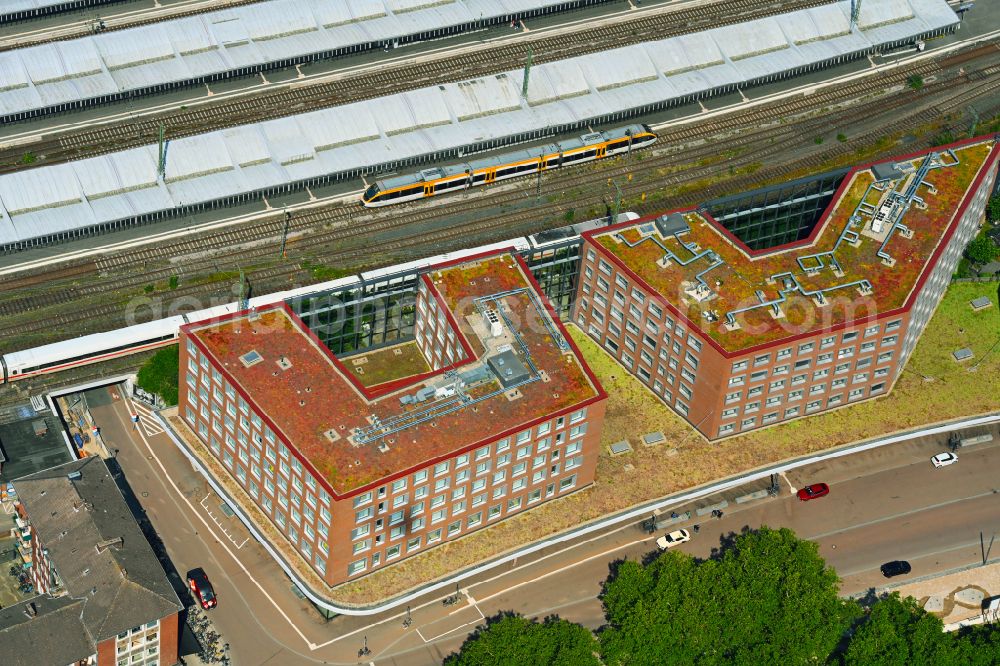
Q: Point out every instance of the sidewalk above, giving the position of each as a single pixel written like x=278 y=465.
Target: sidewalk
x=955 y=597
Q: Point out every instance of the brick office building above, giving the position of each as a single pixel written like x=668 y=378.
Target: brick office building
x=104 y=597
x=487 y=412
x=734 y=339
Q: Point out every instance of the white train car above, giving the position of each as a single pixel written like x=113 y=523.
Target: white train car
x=163 y=332
x=90 y=348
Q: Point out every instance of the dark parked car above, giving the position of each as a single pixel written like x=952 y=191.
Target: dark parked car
x=895 y=568
x=201 y=588
x=813 y=491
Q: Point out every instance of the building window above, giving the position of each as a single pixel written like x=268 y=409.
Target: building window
x=791 y=411
x=739 y=366
x=567 y=483
x=494 y=512
x=357 y=566
x=729 y=427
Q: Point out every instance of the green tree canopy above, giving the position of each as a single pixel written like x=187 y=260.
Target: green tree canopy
x=511 y=640
x=898 y=632
x=993 y=209
x=768 y=598
x=981 y=250
x=159 y=375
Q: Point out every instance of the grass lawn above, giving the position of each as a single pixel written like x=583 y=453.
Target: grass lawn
x=956 y=390
x=389 y=363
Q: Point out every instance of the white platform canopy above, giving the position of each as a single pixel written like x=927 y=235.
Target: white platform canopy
x=436 y=120
x=173 y=52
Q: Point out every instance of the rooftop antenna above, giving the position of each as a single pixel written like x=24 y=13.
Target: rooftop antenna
x=527 y=73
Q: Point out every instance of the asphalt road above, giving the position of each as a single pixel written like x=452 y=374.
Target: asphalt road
x=883 y=505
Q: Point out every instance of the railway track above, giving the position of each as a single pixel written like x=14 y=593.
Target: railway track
x=302 y=97
x=343 y=232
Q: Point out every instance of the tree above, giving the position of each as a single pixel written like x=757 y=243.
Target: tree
x=899 y=632
x=981 y=250
x=993 y=209
x=511 y=640
x=767 y=597
x=159 y=375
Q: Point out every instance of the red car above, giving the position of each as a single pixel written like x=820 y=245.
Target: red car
x=201 y=588
x=813 y=491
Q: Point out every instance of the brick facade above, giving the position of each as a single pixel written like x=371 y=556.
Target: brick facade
x=721 y=393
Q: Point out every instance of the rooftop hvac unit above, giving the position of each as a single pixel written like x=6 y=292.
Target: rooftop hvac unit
x=493 y=322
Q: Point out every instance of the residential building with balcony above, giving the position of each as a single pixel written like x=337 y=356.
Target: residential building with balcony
x=733 y=339
x=364 y=459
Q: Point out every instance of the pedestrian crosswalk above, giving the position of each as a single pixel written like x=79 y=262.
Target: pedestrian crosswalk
x=147 y=421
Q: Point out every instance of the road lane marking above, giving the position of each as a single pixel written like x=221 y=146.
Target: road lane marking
x=180 y=495
x=562 y=568
x=869 y=523
x=903 y=581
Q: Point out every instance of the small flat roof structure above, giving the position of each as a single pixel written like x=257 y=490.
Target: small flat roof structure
x=618 y=448
x=27 y=451
x=981 y=303
x=886 y=171
x=353 y=439
x=870 y=250
x=508 y=369
x=963 y=354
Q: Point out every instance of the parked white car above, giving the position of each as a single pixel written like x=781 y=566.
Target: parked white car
x=944 y=459
x=675 y=538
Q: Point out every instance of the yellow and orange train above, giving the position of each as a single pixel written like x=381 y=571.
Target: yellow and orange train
x=440 y=180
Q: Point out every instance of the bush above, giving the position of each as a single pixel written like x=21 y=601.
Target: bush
x=916 y=82
x=981 y=249
x=964 y=268
x=993 y=209
x=818 y=140
x=842 y=138
x=160 y=374
x=174 y=281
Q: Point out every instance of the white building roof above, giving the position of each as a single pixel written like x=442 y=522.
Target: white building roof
x=186 y=48
x=366 y=134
